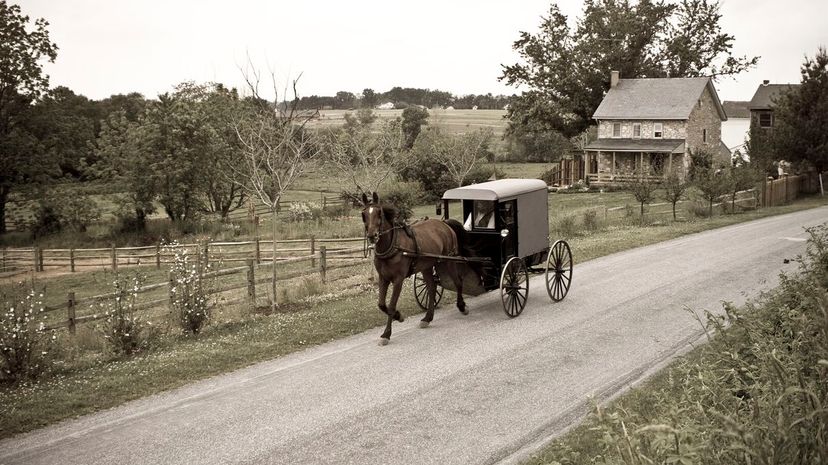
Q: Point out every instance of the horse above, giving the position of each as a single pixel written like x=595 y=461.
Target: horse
x=424 y=240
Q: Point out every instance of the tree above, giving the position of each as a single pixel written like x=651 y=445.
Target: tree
x=22 y=81
x=369 y=98
x=367 y=157
x=65 y=124
x=712 y=182
x=566 y=71
x=276 y=149
x=674 y=188
x=344 y=100
x=740 y=178
x=800 y=132
x=413 y=119
x=459 y=154
x=643 y=189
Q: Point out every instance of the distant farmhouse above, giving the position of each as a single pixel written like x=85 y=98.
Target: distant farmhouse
x=652 y=126
x=735 y=130
x=762 y=103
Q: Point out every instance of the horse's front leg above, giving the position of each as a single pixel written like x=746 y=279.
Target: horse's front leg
x=431 y=297
x=459 y=271
x=383 y=290
x=393 y=314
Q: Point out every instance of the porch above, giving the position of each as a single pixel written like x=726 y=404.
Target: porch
x=619 y=161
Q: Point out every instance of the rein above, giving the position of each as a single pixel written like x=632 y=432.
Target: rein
x=392 y=247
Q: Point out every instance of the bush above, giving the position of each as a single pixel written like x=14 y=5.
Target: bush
x=78 y=212
x=191 y=289
x=47 y=220
x=698 y=209
x=564 y=226
x=591 y=220
x=304 y=211
x=124 y=332
x=24 y=342
x=404 y=196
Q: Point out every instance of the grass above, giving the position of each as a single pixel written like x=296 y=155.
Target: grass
x=756 y=393
x=85 y=379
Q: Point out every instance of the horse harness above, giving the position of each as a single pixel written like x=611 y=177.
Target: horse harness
x=393 y=248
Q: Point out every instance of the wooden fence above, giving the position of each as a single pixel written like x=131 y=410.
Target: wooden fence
x=788 y=188
x=39 y=259
x=323 y=261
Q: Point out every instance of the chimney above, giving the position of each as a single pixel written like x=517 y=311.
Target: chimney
x=614 y=76
x=765 y=82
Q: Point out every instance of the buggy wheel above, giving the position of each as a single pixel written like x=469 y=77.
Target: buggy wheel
x=421 y=291
x=514 y=286
x=558 y=271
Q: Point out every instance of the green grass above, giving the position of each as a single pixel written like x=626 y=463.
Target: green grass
x=754 y=394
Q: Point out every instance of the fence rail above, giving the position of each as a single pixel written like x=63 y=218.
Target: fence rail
x=250 y=272
x=39 y=259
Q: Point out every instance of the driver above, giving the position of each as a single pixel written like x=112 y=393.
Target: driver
x=483 y=215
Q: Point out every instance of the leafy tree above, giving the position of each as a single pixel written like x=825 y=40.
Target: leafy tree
x=712 y=183
x=413 y=119
x=65 y=124
x=344 y=100
x=674 y=188
x=566 y=70
x=460 y=154
x=369 y=98
x=740 y=178
x=800 y=131
x=22 y=81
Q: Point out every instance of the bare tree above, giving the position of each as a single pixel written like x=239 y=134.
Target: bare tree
x=276 y=146
x=643 y=189
x=459 y=154
x=367 y=157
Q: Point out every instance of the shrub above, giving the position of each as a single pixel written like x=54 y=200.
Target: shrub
x=304 y=211
x=404 y=196
x=46 y=221
x=191 y=289
x=78 y=212
x=124 y=332
x=698 y=209
x=24 y=342
x=591 y=220
x=564 y=226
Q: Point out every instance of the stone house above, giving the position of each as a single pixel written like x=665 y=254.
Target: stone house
x=652 y=125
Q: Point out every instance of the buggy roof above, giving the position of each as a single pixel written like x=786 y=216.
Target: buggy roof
x=495 y=190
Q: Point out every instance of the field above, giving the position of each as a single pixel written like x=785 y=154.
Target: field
x=453 y=121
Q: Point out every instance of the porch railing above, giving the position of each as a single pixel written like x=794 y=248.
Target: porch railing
x=608 y=178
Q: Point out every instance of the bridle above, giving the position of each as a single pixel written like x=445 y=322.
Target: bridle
x=392 y=247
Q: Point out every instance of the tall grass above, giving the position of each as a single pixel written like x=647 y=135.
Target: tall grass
x=756 y=394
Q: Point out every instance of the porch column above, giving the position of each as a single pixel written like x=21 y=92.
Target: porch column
x=641 y=164
x=612 y=167
x=669 y=163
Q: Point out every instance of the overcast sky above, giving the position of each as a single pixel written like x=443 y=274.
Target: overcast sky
x=148 y=46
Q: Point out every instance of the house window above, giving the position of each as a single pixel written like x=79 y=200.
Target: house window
x=658 y=130
x=766 y=120
x=616 y=129
x=636 y=130
x=704 y=135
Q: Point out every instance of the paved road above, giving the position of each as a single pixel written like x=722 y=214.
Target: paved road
x=475 y=389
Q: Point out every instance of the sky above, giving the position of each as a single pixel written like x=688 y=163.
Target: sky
x=118 y=46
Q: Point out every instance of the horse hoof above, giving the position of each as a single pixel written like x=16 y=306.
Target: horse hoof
x=464 y=312
x=424 y=324
x=384 y=341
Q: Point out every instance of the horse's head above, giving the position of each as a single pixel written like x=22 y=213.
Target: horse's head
x=372 y=217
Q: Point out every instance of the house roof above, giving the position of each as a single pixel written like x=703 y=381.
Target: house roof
x=637 y=145
x=656 y=98
x=494 y=190
x=766 y=94
x=736 y=109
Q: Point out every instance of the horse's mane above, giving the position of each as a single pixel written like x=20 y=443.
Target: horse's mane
x=392 y=213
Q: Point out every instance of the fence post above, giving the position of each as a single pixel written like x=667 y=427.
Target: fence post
x=4 y=260
x=207 y=253
x=72 y=260
x=70 y=312
x=39 y=259
x=322 y=265
x=34 y=258
x=313 y=251
x=257 y=252
x=772 y=199
x=114 y=256
x=171 y=292
x=158 y=256
x=251 y=284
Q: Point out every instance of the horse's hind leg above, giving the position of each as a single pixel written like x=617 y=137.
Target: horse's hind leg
x=431 y=297
x=457 y=276
x=393 y=314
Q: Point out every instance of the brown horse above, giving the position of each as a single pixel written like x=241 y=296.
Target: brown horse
x=427 y=238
